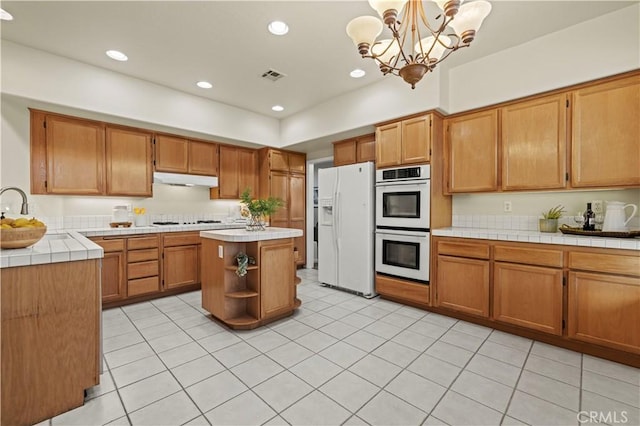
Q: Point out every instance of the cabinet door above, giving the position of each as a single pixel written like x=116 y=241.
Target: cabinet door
x=75 y=156
x=605 y=310
x=297 y=162
x=388 y=145
x=471 y=150
x=203 y=158
x=279 y=184
x=296 y=197
x=463 y=285
x=344 y=153
x=278 y=160
x=248 y=171
x=129 y=162
x=276 y=279
x=416 y=140
x=605 y=147
x=366 y=149
x=528 y=296
x=181 y=266
x=228 y=179
x=172 y=154
x=534 y=144
x=113 y=277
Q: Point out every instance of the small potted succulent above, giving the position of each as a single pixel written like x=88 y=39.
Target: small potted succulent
x=549 y=221
x=256 y=211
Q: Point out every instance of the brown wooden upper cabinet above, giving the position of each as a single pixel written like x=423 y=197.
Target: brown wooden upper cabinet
x=471 y=152
x=404 y=142
x=605 y=143
x=238 y=171
x=178 y=155
x=534 y=144
x=74 y=156
x=601 y=117
x=129 y=162
x=355 y=150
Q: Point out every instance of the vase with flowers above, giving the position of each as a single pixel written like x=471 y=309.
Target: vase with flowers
x=256 y=211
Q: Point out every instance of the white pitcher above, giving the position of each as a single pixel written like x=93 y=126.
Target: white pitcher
x=615 y=219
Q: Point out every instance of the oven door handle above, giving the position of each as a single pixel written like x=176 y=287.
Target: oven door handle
x=416 y=182
x=393 y=232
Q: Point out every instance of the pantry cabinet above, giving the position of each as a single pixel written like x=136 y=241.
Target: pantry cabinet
x=129 y=162
x=463 y=277
x=238 y=171
x=354 y=150
x=174 y=154
x=404 y=142
x=282 y=174
x=604 y=298
x=471 y=152
x=605 y=142
x=533 y=136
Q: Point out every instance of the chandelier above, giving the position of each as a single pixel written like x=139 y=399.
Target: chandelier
x=407 y=54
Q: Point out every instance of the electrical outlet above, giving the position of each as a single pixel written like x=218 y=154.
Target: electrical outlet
x=221 y=252
x=507 y=206
x=597 y=206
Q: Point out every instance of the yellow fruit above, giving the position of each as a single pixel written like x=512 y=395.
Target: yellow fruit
x=20 y=222
x=6 y=226
x=6 y=221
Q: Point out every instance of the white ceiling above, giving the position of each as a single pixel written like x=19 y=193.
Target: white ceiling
x=178 y=43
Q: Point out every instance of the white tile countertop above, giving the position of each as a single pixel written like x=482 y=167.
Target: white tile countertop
x=56 y=246
x=65 y=245
x=538 y=237
x=242 y=235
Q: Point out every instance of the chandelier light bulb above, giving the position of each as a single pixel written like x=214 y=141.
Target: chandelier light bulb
x=469 y=18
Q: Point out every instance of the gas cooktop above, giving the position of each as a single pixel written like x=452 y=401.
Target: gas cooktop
x=167 y=223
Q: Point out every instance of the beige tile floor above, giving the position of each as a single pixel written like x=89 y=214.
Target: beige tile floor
x=341 y=359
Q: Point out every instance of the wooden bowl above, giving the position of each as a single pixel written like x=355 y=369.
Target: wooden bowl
x=20 y=237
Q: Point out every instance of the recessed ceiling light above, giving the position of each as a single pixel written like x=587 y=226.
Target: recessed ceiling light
x=278 y=28
x=117 y=55
x=204 y=85
x=357 y=73
x=5 y=16
x=277 y=108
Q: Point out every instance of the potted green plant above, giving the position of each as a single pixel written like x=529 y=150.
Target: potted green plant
x=549 y=221
x=256 y=211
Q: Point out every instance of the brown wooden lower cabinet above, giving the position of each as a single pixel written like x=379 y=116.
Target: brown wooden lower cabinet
x=113 y=275
x=180 y=259
x=463 y=285
x=605 y=310
x=529 y=296
x=585 y=299
x=417 y=294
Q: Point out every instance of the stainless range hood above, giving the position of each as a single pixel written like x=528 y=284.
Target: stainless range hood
x=185 y=180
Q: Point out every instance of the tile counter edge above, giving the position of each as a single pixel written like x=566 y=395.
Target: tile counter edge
x=538 y=237
x=242 y=235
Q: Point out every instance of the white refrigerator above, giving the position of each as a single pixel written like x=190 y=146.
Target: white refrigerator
x=346 y=227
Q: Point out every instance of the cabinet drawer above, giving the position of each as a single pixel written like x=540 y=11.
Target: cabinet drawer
x=110 y=245
x=142 y=269
x=143 y=286
x=528 y=255
x=402 y=289
x=606 y=263
x=464 y=249
x=181 y=239
x=142 y=255
x=142 y=242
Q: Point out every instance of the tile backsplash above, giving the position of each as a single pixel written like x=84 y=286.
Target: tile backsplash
x=102 y=221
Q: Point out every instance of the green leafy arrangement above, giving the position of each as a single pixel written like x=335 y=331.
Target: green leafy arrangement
x=554 y=213
x=258 y=207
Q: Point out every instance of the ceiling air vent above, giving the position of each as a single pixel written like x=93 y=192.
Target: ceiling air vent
x=273 y=75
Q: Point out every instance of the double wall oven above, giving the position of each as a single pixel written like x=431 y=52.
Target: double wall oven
x=402 y=222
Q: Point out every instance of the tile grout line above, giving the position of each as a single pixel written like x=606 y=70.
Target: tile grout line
x=515 y=385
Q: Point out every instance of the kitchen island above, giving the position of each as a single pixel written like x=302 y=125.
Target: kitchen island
x=50 y=326
x=265 y=291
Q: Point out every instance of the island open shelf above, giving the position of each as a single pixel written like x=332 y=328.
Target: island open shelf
x=266 y=292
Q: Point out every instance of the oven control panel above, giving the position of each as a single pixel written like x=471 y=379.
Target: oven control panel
x=404 y=173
